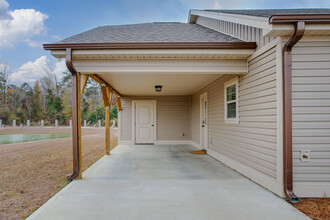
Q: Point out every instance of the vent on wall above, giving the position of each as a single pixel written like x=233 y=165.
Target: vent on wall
x=304 y=155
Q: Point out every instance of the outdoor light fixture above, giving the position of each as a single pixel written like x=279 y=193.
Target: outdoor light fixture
x=158 y=88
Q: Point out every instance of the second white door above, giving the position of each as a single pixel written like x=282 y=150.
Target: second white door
x=144 y=122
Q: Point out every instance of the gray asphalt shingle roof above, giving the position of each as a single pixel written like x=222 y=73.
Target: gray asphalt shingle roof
x=149 y=32
x=270 y=12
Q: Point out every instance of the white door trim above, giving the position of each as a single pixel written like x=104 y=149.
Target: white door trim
x=201 y=132
x=134 y=102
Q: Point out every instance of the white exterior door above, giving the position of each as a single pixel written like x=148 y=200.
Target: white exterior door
x=144 y=123
x=203 y=122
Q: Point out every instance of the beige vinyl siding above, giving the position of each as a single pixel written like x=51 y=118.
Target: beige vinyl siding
x=252 y=142
x=195 y=117
x=311 y=113
x=173 y=117
x=243 y=32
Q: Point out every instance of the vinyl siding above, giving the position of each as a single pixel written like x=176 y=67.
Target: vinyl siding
x=243 y=32
x=311 y=116
x=253 y=141
x=173 y=117
x=195 y=117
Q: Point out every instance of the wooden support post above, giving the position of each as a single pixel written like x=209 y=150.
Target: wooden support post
x=110 y=95
x=83 y=82
x=107 y=118
x=101 y=81
x=107 y=130
x=79 y=123
x=118 y=103
x=104 y=94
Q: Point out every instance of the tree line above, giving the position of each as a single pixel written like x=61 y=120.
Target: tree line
x=48 y=99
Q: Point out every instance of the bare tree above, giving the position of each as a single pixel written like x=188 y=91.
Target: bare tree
x=50 y=81
x=4 y=74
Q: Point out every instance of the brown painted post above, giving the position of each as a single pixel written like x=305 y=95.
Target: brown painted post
x=79 y=124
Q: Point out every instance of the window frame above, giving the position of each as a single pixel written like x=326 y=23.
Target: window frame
x=227 y=84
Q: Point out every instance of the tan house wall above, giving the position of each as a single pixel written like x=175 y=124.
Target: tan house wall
x=252 y=146
x=311 y=116
x=173 y=117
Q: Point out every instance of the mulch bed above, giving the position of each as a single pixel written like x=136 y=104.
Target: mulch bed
x=318 y=208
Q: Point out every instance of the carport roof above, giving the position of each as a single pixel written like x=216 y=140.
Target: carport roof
x=149 y=33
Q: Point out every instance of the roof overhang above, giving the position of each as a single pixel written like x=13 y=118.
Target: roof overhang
x=293 y=18
x=181 y=67
x=156 y=53
x=282 y=24
x=179 y=71
x=155 y=45
x=276 y=25
x=253 y=21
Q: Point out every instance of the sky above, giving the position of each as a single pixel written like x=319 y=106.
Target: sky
x=27 y=24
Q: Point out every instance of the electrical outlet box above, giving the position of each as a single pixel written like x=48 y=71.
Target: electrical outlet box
x=182 y=134
x=304 y=155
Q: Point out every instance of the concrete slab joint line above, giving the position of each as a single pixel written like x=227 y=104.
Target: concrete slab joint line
x=163 y=182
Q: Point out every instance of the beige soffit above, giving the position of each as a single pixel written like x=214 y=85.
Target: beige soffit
x=144 y=84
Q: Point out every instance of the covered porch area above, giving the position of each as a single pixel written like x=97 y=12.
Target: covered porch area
x=130 y=76
x=163 y=182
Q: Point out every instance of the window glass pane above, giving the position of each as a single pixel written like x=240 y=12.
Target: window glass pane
x=231 y=93
x=231 y=110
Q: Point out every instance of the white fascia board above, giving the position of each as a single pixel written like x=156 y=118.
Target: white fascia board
x=191 y=18
x=253 y=21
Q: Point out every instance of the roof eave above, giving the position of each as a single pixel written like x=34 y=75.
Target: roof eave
x=293 y=18
x=155 y=45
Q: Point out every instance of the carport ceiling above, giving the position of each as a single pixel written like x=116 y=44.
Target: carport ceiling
x=144 y=84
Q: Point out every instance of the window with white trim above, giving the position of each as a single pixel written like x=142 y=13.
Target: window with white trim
x=231 y=101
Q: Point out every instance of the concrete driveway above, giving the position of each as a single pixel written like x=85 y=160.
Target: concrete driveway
x=163 y=182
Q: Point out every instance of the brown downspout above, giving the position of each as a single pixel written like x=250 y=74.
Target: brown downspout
x=287 y=110
x=75 y=124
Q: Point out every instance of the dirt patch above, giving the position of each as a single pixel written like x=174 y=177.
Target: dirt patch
x=32 y=172
x=318 y=209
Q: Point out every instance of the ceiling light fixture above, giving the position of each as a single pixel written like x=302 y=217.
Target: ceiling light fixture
x=158 y=88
